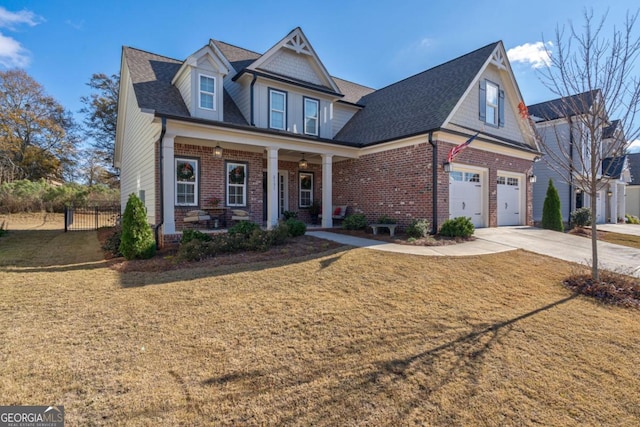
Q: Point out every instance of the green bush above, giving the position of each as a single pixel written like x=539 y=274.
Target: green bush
x=137 y=237
x=457 y=227
x=112 y=244
x=632 y=219
x=419 y=228
x=551 y=210
x=384 y=219
x=244 y=228
x=289 y=214
x=189 y=235
x=355 y=222
x=296 y=227
x=581 y=217
x=280 y=234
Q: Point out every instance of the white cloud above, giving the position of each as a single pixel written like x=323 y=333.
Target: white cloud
x=414 y=54
x=634 y=146
x=536 y=54
x=12 y=53
x=11 y=19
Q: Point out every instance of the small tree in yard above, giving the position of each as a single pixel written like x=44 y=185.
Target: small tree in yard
x=596 y=79
x=137 y=237
x=551 y=211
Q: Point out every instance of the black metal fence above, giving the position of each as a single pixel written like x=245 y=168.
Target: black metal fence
x=91 y=218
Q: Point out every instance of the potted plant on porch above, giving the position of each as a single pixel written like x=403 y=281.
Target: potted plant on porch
x=314 y=211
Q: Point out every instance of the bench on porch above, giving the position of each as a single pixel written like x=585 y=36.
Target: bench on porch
x=391 y=227
x=337 y=212
x=240 y=215
x=197 y=216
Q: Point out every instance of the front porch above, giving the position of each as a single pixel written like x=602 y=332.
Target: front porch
x=263 y=176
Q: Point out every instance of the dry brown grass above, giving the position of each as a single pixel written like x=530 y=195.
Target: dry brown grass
x=621 y=239
x=342 y=337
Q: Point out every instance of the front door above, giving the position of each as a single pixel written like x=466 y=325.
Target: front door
x=283 y=194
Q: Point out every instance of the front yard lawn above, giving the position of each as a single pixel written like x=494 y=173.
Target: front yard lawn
x=338 y=337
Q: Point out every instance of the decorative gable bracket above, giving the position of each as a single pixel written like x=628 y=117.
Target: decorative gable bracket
x=498 y=59
x=298 y=45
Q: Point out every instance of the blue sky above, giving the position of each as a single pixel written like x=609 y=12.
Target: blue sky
x=375 y=43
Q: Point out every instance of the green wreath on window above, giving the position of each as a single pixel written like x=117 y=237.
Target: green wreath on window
x=236 y=175
x=185 y=171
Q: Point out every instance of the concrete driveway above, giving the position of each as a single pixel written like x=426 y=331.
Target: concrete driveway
x=621 y=259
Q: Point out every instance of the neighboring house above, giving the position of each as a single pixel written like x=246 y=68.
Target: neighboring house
x=558 y=125
x=274 y=132
x=633 y=189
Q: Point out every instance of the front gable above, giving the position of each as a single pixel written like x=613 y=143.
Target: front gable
x=474 y=112
x=294 y=57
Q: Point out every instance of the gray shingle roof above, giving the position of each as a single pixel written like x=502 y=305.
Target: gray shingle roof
x=151 y=75
x=634 y=168
x=417 y=104
x=352 y=92
x=609 y=131
x=238 y=57
x=613 y=166
x=562 y=107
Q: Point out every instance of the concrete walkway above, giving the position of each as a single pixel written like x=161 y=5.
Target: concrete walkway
x=563 y=246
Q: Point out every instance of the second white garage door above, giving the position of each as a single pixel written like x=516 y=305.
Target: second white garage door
x=465 y=196
x=509 y=200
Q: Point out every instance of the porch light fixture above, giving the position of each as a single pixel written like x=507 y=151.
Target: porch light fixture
x=533 y=178
x=446 y=166
x=609 y=193
x=578 y=191
x=217 y=152
x=303 y=164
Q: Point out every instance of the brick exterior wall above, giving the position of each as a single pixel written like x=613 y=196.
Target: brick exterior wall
x=396 y=183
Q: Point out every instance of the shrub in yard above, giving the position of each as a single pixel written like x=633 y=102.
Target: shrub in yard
x=355 y=222
x=112 y=244
x=296 y=227
x=551 y=210
x=581 y=217
x=244 y=228
x=632 y=219
x=457 y=227
x=260 y=240
x=189 y=235
x=196 y=250
x=137 y=237
x=418 y=228
x=289 y=214
x=384 y=219
x=280 y=234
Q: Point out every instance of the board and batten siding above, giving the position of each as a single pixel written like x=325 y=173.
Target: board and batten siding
x=633 y=200
x=138 y=158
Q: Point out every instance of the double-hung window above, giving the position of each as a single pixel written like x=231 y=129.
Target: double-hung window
x=311 y=110
x=207 y=92
x=306 y=189
x=491 y=103
x=277 y=109
x=186 y=182
x=236 y=184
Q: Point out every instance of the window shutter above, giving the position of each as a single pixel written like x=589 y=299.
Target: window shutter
x=501 y=109
x=483 y=100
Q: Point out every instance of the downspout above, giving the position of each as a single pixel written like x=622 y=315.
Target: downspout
x=434 y=187
x=571 y=189
x=253 y=82
x=161 y=173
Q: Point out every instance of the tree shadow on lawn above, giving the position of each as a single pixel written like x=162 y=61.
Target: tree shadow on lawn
x=403 y=384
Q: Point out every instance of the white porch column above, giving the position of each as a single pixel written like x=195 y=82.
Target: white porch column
x=327 y=190
x=613 y=203
x=168 y=184
x=622 y=201
x=272 y=187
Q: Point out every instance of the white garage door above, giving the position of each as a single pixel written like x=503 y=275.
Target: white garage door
x=465 y=196
x=509 y=199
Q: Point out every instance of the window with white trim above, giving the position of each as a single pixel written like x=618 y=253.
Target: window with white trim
x=236 y=174
x=186 y=182
x=207 y=92
x=492 y=104
x=311 y=111
x=305 y=189
x=277 y=109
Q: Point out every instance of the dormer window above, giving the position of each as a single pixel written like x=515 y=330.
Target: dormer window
x=311 y=109
x=491 y=103
x=207 y=92
x=277 y=109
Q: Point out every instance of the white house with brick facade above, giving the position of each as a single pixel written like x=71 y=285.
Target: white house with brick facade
x=234 y=124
